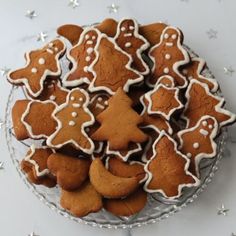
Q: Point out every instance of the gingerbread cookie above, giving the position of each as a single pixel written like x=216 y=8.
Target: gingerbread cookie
x=72 y=119
x=37 y=118
x=168 y=169
x=18 y=109
x=82 y=56
x=109 y=185
x=119 y=123
x=70 y=32
x=168 y=56
x=108 y=27
x=198 y=142
x=130 y=41
x=193 y=70
x=35 y=166
x=112 y=67
x=163 y=101
x=201 y=102
x=83 y=201
x=39 y=65
x=128 y=206
x=125 y=169
x=70 y=171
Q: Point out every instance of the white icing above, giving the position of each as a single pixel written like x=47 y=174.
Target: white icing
x=100 y=106
x=93 y=37
x=99 y=99
x=210 y=126
x=81 y=99
x=196 y=145
x=52 y=97
x=131 y=27
x=49 y=50
x=34 y=70
x=41 y=61
x=174 y=36
x=71 y=123
x=88 y=58
x=166 y=70
x=128 y=44
x=87 y=129
x=204 y=123
x=204 y=132
x=166 y=36
x=185 y=71
x=76 y=105
x=106 y=103
x=74 y=114
x=89 y=42
x=169 y=44
x=189 y=155
x=50 y=45
x=122 y=29
x=87 y=36
x=128 y=35
x=72 y=98
x=167 y=56
x=86 y=69
x=89 y=50
x=56 y=49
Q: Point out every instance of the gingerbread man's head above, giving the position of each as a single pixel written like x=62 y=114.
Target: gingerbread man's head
x=55 y=47
x=127 y=27
x=99 y=103
x=171 y=36
x=208 y=125
x=77 y=98
x=90 y=38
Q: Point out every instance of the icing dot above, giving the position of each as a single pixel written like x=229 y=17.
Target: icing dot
x=50 y=45
x=89 y=42
x=71 y=123
x=189 y=155
x=204 y=123
x=166 y=70
x=52 y=97
x=169 y=44
x=167 y=56
x=74 y=114
x=99 y=99
x=89 y=50
x=81 y=99
x=166 y=36
x=94 y=37
x=174 y=36
x=34 y=70
x=41 y=61
x=87 y=129
x=203 y=132
x=128 y=44
x=131 y=27
x=87 y=36
x=88 y=58
x=196 y=145
x=56 y=49
x=190 y=77
x=122 y=28
x=86 y=69
x=185 y=72
x=106 y=103
x=210 y=126
x=72 y=98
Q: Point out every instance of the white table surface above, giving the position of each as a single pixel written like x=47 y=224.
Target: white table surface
x=20 y=211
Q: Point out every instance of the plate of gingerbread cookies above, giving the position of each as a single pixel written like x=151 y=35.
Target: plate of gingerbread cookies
x=116 y=124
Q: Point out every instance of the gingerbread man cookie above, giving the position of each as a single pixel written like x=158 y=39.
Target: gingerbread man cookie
x=194 y=69
x=81 y=56
x=198 y=142
x=130 y=41
x=39 y=65
x=112 y=67
x=72 y=118
x=201 y=102
x=168 y=56
x=168 y=169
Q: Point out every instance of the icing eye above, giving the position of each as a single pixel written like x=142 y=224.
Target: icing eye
x=94 y=37
x=106 y=103
x=174 y=36
x=166 y=36
x=81 y=99
x=72 y=98
x=123 y=28
x=87 y=36
x=99 y=99
x=131 y=27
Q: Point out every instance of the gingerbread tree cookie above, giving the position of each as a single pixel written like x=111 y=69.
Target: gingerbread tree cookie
x=73 y=117
x=194 y=69
x=81 y=56
x=198 y=142
x=39 y=64
x=129 y=40
x=119 y=123
x=168 y=56
x=168 y=169
x=201 y=102
x=112 y=67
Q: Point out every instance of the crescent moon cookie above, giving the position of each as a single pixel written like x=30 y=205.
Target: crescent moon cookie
x=112 y=67
x=194 y=69
x=163 y=101
x=37 y=119
x=168 y=56
x=109 y=185
x=130 y=41
x=82 y=56
x=72 y=119
x=198 y=142
x=168 y=169
x=108 y=27
x=39 y=65
x=35 y=166
x=70 y=172
x=119 y=123
x=201 y=102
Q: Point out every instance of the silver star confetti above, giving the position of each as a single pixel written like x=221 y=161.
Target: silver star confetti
x=212 y=34
x=31 y=14
x=113 y=8
x=1 y=165
x=222 y=210
x=4 y=71
x=33 y=234
x=42 y=36
x=228 y=71
x=73 y=3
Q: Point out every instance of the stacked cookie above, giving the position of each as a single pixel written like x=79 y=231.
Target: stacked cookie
x=132 y=114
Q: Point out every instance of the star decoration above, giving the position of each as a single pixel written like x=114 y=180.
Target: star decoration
x=113 y=8
x=212 y=34
x=33 y=234
x=1 y=165
x=42 y=36
x=4 y=71
x=222 y=210
x=228 y=71
x=73 y=3
x=31 y=14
